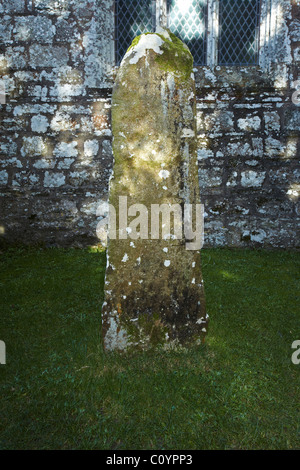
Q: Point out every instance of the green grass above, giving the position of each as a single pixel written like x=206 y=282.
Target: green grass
x=238 y=391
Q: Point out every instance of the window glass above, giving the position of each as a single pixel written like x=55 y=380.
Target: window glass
x=133 y=17
x=238 y=32
x=188 y=20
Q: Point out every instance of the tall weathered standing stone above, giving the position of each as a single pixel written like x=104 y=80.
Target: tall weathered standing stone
x=153 y=289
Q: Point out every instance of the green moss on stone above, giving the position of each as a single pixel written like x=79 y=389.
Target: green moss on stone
x=176 y=57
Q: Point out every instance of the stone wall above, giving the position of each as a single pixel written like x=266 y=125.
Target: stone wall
x=57 y=61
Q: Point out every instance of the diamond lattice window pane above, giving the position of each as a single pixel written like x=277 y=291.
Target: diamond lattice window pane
x=133 y=17
x=238 y=32
x=188 y=19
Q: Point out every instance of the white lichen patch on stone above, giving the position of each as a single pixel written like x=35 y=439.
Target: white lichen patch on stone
x=252 y=178
x=293 y=192
x=66 y=149
x=186 y=133
x=3 y=177
x=54 y=180
x=39 y=124
x=171 y=84
x=115 y=337
x=125 y=258
x=163 y=32
x=164 y=174
x=145 y=43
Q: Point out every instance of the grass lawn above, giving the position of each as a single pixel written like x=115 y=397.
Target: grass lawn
x=238 y=391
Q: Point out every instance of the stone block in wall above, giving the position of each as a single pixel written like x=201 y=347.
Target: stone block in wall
x=272 y=121
x=6 y=30
x=39 y=124
x=12 y=6
x=27 y=108
x=252 y=179
x=45 y=56
x=63 y=122
x=54 y=180
x=292 y=119
x=79 y=178
x=66 y=31
x=10 y=163
x=232 y=179
x=66 y=150
x=107 y=148
x=278 y=207
x=284 y=176
x=27 y=178
x=46 y=162
x=33 y=146
x=219 y=121
x=91 y=149
x=215 y=233
x=245 y=231
x=38 y=29
x=296 y=53
x=68 y=83
x=210 y=178
x=3 y=177
x=204 y=154
x=295 y=30
x=16 y=57
x=8 y=146
x=52 y=7
x=252 y=147
x=284 y=149
x=250 y=123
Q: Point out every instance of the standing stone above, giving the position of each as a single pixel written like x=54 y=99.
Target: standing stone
x=153 y=288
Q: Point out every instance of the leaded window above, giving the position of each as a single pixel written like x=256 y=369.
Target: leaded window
x=224 y=32
x=238 y=32
x=133 y=17
x=188 y=20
